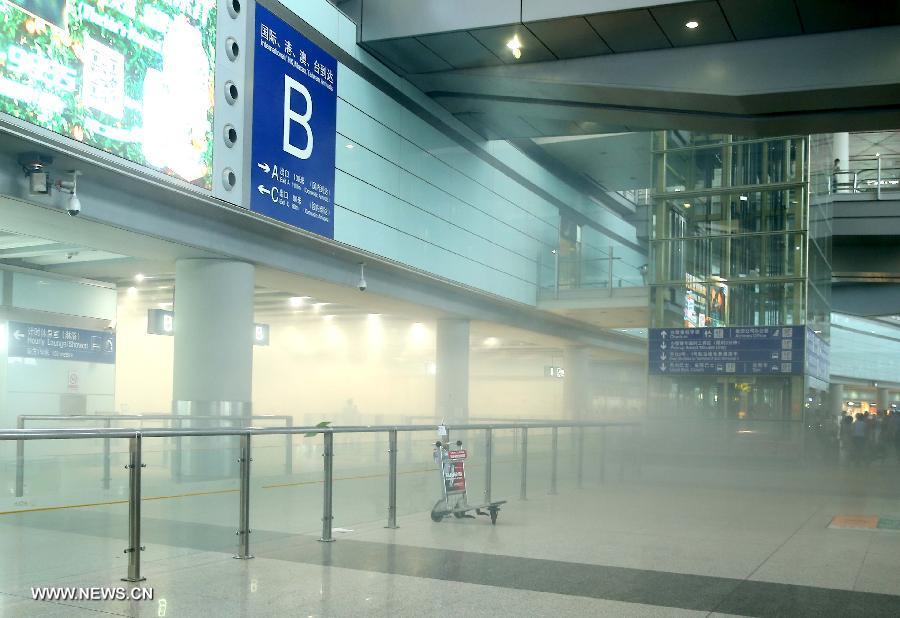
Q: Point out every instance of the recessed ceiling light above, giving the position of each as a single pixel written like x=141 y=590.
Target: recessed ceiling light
x=139 y=277
x=515 y=46
x=349 y=146
x=296 y=301
x=692 y=24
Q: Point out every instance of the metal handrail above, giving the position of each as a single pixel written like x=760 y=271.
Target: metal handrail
x=135 y=465
x=173 y=418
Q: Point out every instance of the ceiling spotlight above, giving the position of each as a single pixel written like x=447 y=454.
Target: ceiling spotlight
x=349 y=146
x=296 y=301
x=139 y=277
x=515 y=46
x=691 y=25
x=687 y=204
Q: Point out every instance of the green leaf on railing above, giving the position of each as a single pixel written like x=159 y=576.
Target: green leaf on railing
x=313 y=434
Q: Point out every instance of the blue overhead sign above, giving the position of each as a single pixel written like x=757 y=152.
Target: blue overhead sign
x=753 y=350
x=59 y=343
x=294 y=127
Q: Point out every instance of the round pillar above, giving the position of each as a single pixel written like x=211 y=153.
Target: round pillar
x=577 y=383
x=213 y=370
x=451 y=380
x=884 y=399
x=836 y=394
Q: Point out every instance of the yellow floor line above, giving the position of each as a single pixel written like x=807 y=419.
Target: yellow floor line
x=214 y=492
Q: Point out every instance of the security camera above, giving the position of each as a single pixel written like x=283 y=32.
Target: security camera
x=74 y=207
x=70 y=186
x=362 y=285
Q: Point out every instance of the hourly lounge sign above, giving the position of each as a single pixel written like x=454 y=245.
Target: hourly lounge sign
x=60 y=343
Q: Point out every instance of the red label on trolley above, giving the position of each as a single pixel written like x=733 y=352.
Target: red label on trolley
x=454 y=476
x=457 y=454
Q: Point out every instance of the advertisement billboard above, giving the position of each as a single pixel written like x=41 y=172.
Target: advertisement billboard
x=133 y=78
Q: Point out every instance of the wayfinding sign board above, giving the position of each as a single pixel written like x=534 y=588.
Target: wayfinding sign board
x=753 y=350
x=60 y=343
x=294 y=120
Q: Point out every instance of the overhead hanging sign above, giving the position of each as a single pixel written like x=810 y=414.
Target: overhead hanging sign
x=753 y=350
x=294 y=127
x=133 y=78
x=60 y=343
x=162 y=322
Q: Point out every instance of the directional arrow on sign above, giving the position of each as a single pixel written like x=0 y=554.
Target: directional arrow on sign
x=662 y=367
x=662 y=356
x=662 y=346
x=664 y=334
x=19 y=335
x=264 y=167
x=263 y=190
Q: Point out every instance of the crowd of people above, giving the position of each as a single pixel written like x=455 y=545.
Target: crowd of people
x=870 y=436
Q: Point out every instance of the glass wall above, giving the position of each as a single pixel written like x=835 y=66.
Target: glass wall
x=739 y=236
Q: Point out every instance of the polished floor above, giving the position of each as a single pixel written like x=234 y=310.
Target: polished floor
x=670 y=543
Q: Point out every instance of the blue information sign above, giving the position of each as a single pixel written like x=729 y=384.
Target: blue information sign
x=752 y=350
x=59 y=343
x=294 y=120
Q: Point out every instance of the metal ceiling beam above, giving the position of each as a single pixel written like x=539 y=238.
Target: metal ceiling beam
x=773 y=86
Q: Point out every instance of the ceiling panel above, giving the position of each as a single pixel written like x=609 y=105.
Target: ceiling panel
x=629 y=31
x=408 y=55
x=496 y=39
x=761 y=19
x=832 y=15
x=569 y=38
x=460 y=49
x=713 y=27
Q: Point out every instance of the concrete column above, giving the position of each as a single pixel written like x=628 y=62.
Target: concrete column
x=213 y=369
x=836 y=396
x=577 y=383
x=841 y=151
x=451 y=380
x=884 y=399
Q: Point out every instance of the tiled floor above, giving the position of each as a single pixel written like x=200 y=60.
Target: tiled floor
x=760 y=546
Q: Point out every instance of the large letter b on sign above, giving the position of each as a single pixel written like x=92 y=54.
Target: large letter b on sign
x=292 y=117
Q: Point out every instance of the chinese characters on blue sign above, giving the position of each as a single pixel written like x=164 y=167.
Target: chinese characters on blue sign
x=753 y=350
x=294 y=120
x=59 y=343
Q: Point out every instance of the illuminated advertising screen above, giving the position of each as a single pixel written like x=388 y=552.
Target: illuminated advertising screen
x=131 y=77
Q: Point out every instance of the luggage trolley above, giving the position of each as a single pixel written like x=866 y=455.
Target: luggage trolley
x=455 y=500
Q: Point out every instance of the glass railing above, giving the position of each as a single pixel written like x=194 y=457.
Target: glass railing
x=326 y=480
x=872 y=175
x=559 y=275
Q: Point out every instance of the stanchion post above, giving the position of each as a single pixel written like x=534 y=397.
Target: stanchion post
x=243 y=532
x=176 y=455
x=523 y=494
x=392 y=479
x=20 y=461
x=580 y=455
x=106 y=457
x=488 y=451
x=554 y=449
x=603 y=454
x=134 y=510
x=328 y=469
x=623 y=446
x=289 y=447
